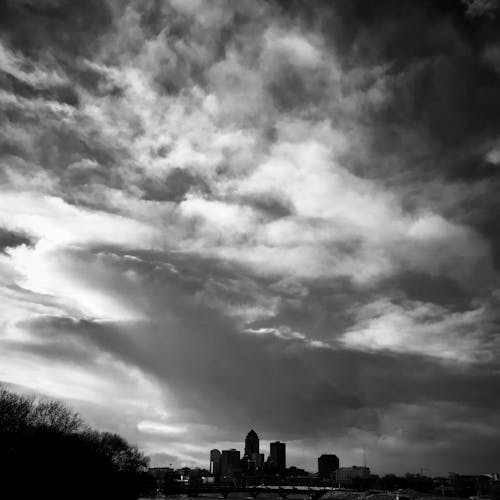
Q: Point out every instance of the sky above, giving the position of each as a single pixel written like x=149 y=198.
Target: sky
x=218 y=215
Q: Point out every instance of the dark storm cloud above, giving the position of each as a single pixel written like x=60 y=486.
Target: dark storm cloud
x=442 y=93
x=10 y=239
x=479 y=8
x=271 y=205
x=64 y=94
x=58 y=29
x=440 y=87
x=436 y=289
x=175 y=187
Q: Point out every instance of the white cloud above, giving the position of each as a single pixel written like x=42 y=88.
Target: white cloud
x=421 y=328
x=151 y=427
x=57 y=274
x=283 y=332
x=493 y=156
x=56 y=222
x=292 y=46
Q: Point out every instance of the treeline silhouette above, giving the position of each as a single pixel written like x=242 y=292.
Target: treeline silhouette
x=47 y=451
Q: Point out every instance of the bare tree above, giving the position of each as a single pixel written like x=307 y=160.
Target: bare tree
x=18 y=412
x=15 y=411
x=55 y=415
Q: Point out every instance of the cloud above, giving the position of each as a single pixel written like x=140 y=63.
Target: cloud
x=479 y=8
x=12 y=239
x=58 y=222
x=150 y=427
x=423 y=328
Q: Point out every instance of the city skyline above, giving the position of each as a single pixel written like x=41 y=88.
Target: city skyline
x=275 y=451
x=253 y=458
x=219 y=215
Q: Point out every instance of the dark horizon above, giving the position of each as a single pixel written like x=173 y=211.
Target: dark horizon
x=219 y=215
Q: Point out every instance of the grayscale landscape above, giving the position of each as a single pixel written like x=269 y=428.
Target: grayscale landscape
x=219 y=216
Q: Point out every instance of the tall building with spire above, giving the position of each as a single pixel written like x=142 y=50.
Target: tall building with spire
x=252 y=444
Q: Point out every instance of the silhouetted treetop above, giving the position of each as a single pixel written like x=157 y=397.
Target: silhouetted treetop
x=20 y=412
x=62 y=455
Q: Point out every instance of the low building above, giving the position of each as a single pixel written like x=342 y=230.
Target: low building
x=348 y=475
x=277 y=453
x=327 y=464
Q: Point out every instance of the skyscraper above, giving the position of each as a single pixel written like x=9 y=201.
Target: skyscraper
x=215 y=462
x=278 y=455
x=230 y=462
x=326 y=465
x=251 y=444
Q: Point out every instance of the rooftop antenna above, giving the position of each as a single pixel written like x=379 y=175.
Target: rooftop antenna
x=364 y=455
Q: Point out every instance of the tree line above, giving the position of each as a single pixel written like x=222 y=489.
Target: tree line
x=47 y=451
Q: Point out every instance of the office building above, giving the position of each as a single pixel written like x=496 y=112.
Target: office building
x=278 y=456
x=215 y=458
x=327 y=464
x=248 y=466
x=345 y=475
x=230 y=462
x=251 y=444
